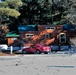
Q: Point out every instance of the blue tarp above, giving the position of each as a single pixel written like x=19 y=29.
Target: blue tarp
x=22 y=28
x=68 y=27
x=62 y=48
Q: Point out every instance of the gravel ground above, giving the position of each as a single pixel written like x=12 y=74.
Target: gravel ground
x=52 y=64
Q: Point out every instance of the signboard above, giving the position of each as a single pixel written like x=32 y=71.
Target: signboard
x=23 y=28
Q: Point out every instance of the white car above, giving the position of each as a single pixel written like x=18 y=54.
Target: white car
x=3 y=47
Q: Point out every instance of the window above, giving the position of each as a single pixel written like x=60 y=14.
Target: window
x=29 y=35
x=14 y=38
x=47 y=36
x=50 y=28
x=62 y=38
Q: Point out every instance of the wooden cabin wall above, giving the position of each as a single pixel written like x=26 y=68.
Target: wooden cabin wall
x=39 y=36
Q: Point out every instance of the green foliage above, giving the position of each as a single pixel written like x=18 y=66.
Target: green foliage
x=39 y=12
x=15 y=4
x=9 y=12
x=3 y=4
x=2 y=36
x=59 y=22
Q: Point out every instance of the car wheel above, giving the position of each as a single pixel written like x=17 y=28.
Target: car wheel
x=24 y=52
x=45 y=52
x=38 y=52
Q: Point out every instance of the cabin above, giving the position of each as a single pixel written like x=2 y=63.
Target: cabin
x=51 y=35
x=46 y=34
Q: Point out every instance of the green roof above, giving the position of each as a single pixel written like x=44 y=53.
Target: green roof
x=12 y=34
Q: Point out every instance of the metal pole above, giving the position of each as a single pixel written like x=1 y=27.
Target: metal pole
x=11 y=50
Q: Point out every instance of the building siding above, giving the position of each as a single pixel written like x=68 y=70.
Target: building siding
x=39 y=36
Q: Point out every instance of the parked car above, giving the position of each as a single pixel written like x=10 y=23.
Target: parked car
x=3 y=47
x=38 y=48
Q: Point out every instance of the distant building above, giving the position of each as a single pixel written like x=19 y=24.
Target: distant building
x=45 y=34
x=42 y=34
